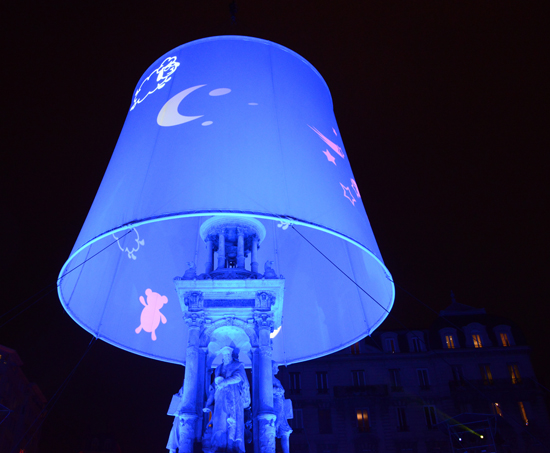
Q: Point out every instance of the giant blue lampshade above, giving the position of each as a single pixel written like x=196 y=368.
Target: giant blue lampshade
x=228 y=126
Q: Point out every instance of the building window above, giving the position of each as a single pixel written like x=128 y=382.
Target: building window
x=423 y=379
x=358 y=378
x=513 y=369
x=504 y=341
x=395 y=380
x=486 y=374
x=390 y=345
x=402 y=419
x=322 y=382
x=504 y=335
x=295 y=383
x=429 y=413
x=449 y=342
x=495 y=408
x=363 y=425
x=523 y=413
x=458 y=373
x=325 y=422
x=416 y=341
x=297 y=421
x=476 y=339
x=355 y=349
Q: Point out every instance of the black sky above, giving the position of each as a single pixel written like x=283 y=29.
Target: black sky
x=443 y=110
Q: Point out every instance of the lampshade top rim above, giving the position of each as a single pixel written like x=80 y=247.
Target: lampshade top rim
x=240 y=38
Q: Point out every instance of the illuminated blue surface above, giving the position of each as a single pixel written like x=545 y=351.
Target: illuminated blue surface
x=237 y=126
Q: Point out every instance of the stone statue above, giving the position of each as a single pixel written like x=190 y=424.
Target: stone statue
x=176 y=432
x=191 y=272
x=283 y=429
x=268 y=268
x=231 y=396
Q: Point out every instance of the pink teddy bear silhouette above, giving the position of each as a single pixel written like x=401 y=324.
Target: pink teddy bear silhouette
x=151 y=315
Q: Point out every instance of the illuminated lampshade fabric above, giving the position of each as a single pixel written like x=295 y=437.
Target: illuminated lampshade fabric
x=227 y=126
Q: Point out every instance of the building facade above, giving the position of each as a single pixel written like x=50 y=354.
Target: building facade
x=465 y=384
x=21 y=404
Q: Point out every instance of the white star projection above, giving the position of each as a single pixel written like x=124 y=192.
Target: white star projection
x=348 y=194
x=131 y=253
x=156 y=80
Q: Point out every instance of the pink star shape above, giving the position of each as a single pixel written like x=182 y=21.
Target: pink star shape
x=330 y=157
x=348 y=194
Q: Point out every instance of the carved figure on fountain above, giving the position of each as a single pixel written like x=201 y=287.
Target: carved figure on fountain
x=268 y=269
x=231 y=397
x=283 y=410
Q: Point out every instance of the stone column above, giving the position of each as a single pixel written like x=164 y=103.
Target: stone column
x=189 y=411
x=266 y=413
x=221 y=251
x=209 y=255
x=240 y=248
x=254 y=263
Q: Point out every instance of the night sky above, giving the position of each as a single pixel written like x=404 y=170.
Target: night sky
x=443 y=110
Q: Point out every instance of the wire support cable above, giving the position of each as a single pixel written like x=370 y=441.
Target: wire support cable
x=52 y=286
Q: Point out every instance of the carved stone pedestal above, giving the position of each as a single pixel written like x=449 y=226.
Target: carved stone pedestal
x=189 y=422
x=227 y=307
x=266 y=432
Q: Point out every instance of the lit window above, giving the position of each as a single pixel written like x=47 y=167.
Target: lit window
x=402 y=419
x=513 y=369
x=523 y=413
x=358 y=378
x=363 y=421
x=295 y=383
x=504 y=339
x=486 y=374
x=429 y=413
x=390 y=345
x=477 y=340
x=423 y=379
x=297 y=421
x=355 y=349
x=449 y=342
x=322 y=382
x=496 y=409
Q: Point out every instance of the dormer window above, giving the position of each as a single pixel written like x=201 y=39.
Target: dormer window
x=504 y=340
x=449 y=342
x=449 y=338
x=476 y=339
x=476 y=336
x=504 y=336
x=416 y=341
x=389 y=342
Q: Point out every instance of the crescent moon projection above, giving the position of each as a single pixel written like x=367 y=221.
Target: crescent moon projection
x=169 y=115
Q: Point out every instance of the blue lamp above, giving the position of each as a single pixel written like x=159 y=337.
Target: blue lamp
x=227 y=128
